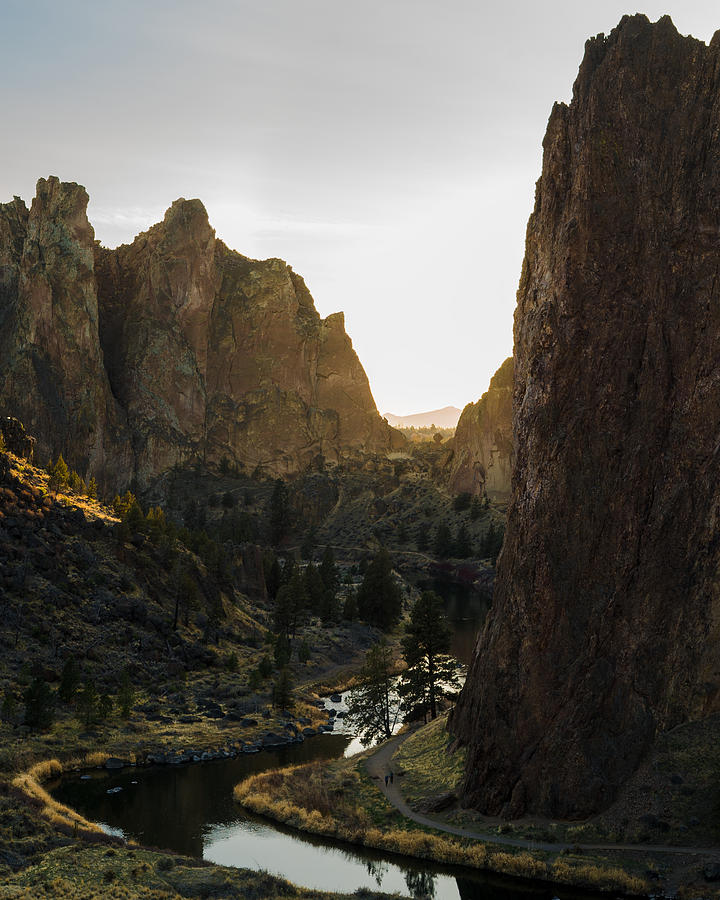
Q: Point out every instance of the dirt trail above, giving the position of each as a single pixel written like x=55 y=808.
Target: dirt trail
x=380 y=764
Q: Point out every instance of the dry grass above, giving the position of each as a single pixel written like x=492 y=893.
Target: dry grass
x=30 y=784
x=333 y=801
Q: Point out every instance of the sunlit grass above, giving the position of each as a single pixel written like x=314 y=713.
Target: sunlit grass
x=428 y=765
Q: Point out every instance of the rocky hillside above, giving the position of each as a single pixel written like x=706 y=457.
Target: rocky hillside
x=170 y=350
x=482 y=458
x=604 y=629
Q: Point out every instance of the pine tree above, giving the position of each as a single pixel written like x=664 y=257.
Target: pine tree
x=69 y=680
x=422 y=541
x=374 y=706
x=350 y=607
x=425 y=647
x=39 y=704
x=282 y=651
x=279 y=512
x=59 y=474
x=282 y=689
x=126 y=695
x=315 y=589
x=105 y=707
x=273 y=574
x=379 y=599
x=443 y=541
x=87 y=703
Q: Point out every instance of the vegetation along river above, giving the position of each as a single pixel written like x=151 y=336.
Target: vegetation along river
x=189 y=809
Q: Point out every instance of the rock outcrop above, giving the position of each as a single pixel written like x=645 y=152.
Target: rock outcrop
x=170 y=350
x=482 y=446
x=53 y=377
x=606 y=618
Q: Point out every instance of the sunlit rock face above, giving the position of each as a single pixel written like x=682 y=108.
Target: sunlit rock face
x=51 y=364
x=169 y=350
x=482 y=447
x=604 y=627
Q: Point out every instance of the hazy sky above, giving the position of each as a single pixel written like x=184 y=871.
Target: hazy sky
x=387 y=149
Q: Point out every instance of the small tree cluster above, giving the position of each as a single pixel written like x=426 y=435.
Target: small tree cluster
x=61 y=476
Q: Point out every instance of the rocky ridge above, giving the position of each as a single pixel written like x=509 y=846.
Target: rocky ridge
x=482 y=447
x=170 y=350
x=604 y=628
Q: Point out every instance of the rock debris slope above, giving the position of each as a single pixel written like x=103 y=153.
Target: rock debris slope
x=169 y=350
x=605 y=623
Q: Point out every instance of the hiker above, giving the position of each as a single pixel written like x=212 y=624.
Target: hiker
x=391 y=778
x=386 y=780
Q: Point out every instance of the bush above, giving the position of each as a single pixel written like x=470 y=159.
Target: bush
x=462 y=501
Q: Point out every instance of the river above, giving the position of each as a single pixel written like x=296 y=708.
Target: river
x=189 y=809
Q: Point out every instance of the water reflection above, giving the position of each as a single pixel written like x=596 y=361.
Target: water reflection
x=177 y=807
x=421 y=885
x=466 y=609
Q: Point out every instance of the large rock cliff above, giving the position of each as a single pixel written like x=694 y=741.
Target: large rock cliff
x=169 y=350
x=482 y=446
x=53 y=378
x=606 y=618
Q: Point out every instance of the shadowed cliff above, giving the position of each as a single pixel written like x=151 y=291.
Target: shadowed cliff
x=604 y=629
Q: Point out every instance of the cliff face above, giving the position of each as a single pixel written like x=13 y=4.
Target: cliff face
x=171 y=349
x=482 y=458
x=52 y=367
x=606 y=616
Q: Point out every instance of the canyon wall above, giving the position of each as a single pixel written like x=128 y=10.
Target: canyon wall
x=482 y=446
x=605 y=623
x=169 y=350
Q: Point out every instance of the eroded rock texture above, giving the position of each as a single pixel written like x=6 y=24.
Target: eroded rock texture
x=169 y=350
x=606 y=617
x=53 y=377
x=482 y=447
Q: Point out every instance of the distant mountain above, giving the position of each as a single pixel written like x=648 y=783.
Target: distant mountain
x=447 y=417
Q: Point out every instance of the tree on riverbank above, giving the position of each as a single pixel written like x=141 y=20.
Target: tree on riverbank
x=425 y=647
x=374 y=707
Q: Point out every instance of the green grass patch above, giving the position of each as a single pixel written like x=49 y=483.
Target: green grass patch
x=429 y=766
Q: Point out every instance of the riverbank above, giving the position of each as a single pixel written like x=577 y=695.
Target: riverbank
x=34 y=825
x=48 y=849
x=426 y=779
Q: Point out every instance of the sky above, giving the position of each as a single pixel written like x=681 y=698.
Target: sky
x=387 y=150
